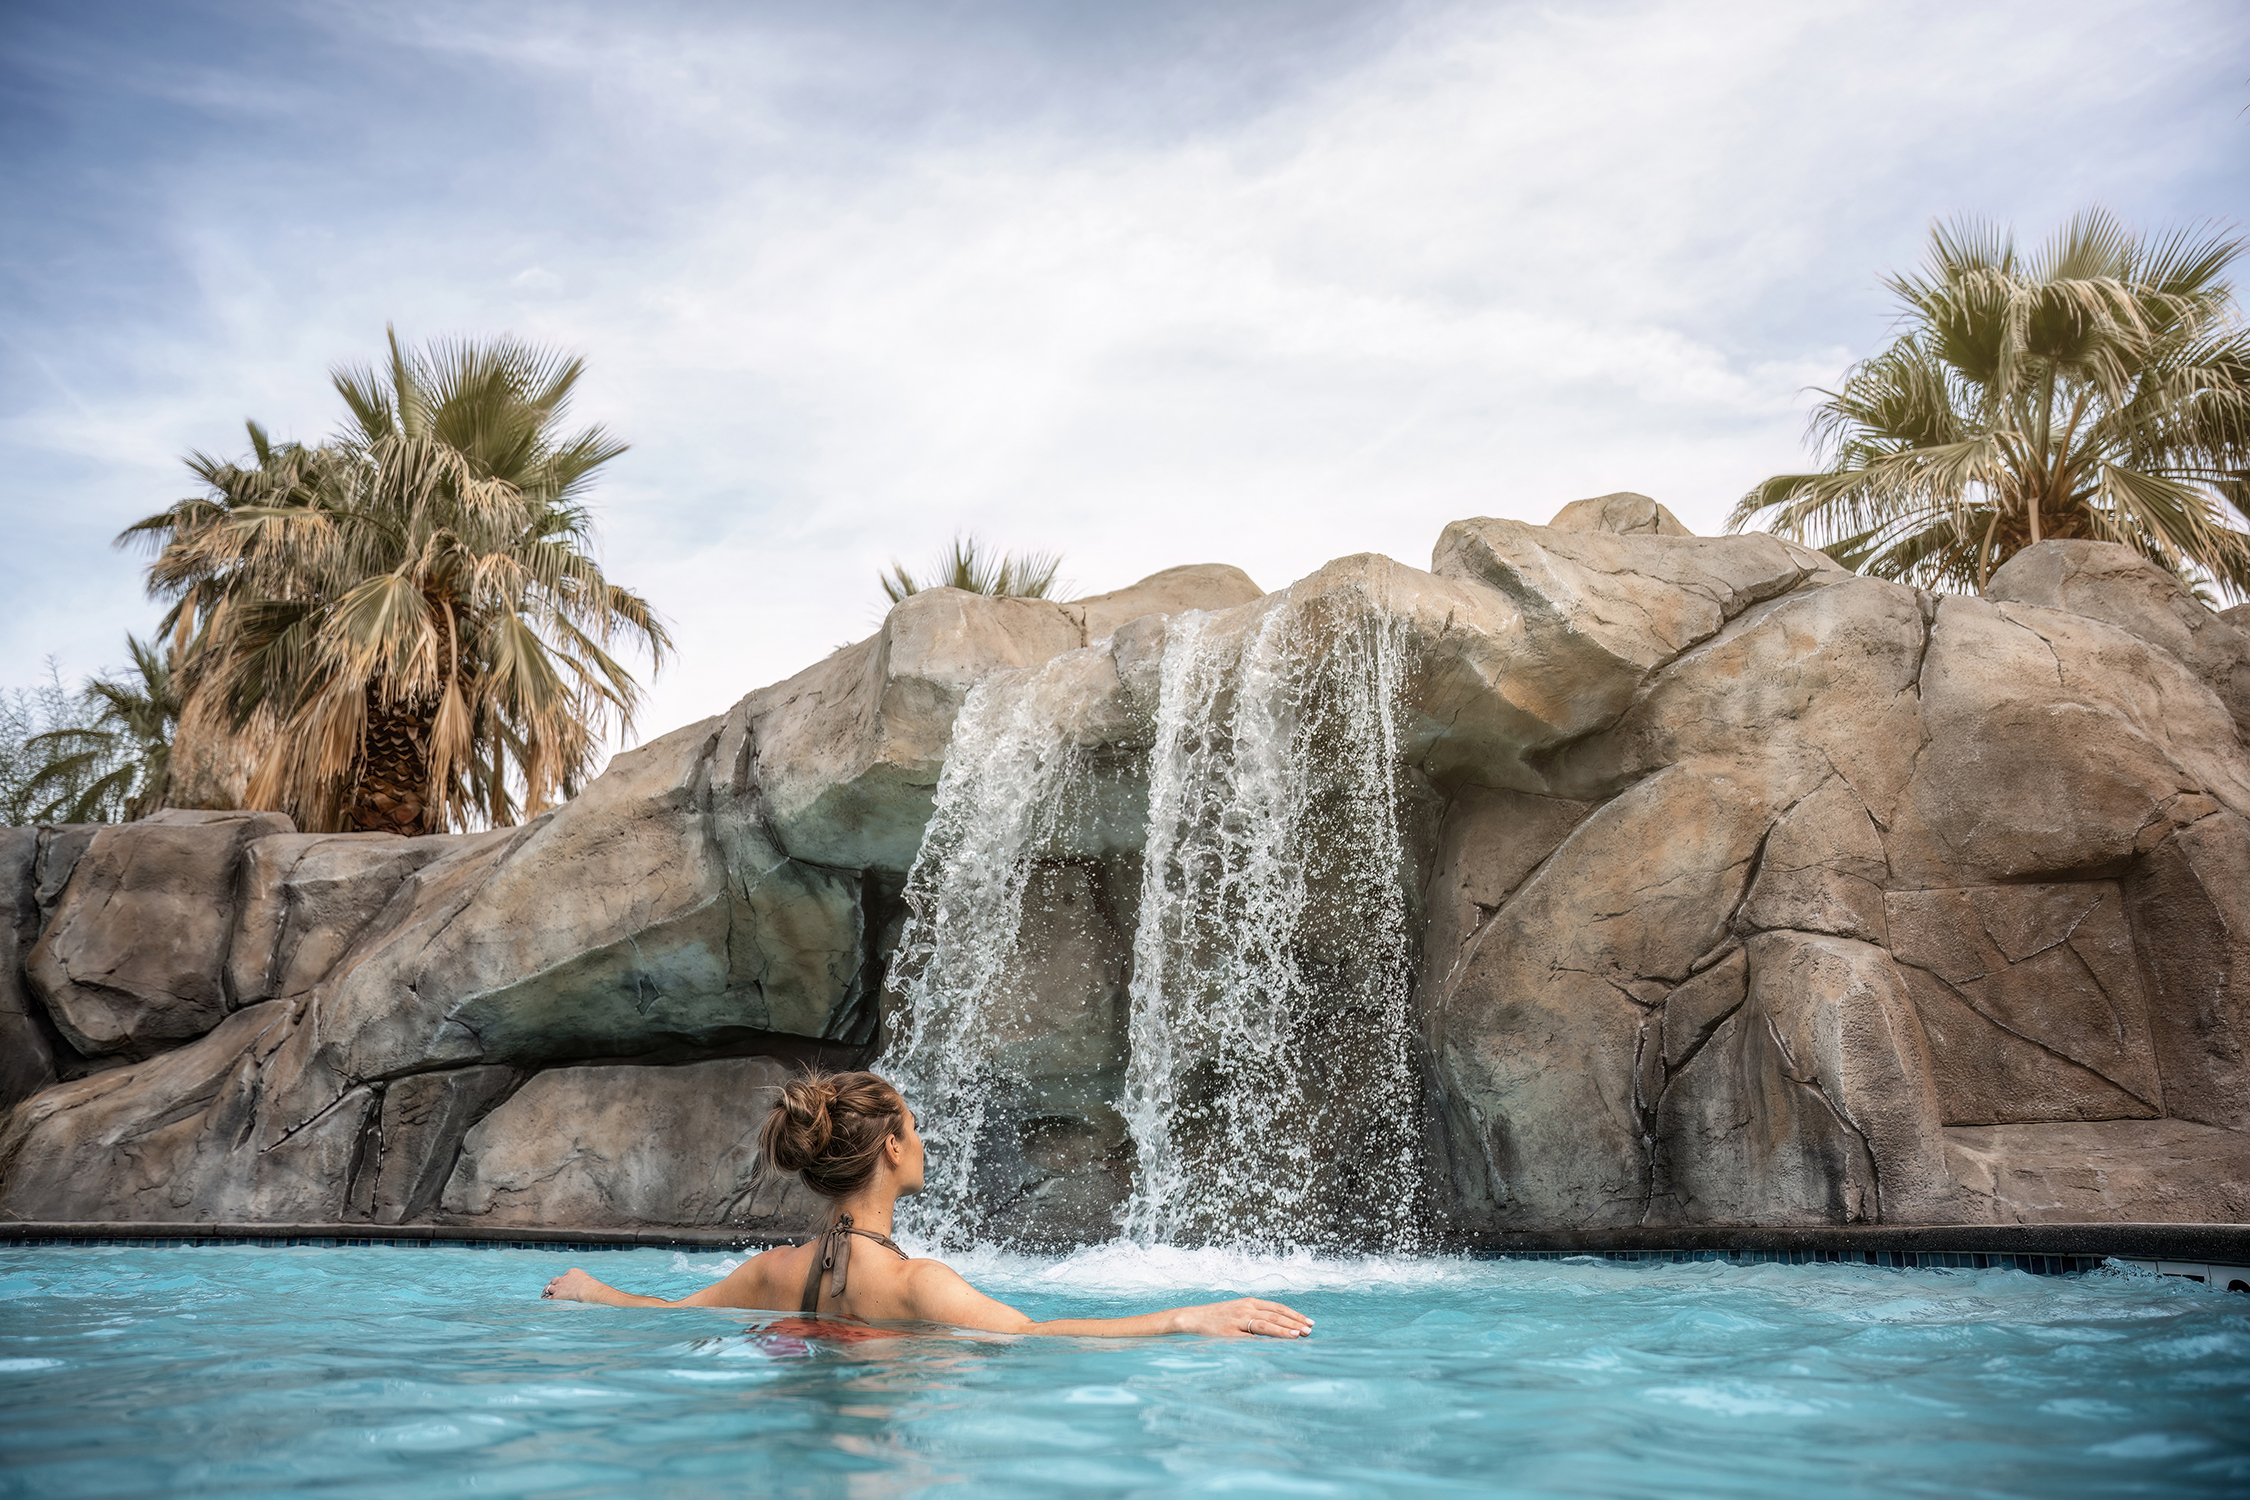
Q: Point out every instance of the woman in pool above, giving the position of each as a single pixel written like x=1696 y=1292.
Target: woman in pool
x=851 y=1138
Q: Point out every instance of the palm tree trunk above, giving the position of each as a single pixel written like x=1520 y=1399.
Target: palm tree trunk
x=390 y=793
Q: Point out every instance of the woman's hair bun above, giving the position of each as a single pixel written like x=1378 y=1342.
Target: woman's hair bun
x=829 y=1129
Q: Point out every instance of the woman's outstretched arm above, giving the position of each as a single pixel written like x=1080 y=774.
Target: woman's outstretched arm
x=747 y=1285
x=940 y=1295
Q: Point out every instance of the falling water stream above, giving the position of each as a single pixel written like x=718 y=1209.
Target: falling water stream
x=1012 y=789
x=1267 y=1083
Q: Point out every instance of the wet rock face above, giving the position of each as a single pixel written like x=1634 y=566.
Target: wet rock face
x=1744 y=890
x=1055 y=1163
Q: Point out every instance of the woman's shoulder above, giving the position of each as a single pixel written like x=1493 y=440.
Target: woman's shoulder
x=770 y=1267
x=756 y=1282
x=922 y=1276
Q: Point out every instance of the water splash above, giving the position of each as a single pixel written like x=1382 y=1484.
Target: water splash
x=1273 y=1097
x=1268 y=1083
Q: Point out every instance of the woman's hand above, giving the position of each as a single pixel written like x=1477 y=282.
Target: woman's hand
x=1244 y=1317
x=574 y=1285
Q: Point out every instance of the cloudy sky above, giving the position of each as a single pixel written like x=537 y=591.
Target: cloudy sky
x=1141 y=281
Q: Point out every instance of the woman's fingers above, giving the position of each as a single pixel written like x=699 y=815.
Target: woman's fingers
x=1288 y=1316
x=1247 y=1317
x=1273 y=1320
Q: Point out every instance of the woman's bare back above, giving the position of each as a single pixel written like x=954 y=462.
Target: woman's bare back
x=882 y=1288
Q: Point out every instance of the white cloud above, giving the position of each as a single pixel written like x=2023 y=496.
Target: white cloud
x=1511 y=257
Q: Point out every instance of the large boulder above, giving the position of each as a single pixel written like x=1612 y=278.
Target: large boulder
x=2118 y=586
x=186 y=1136
x=2057 y=746
x=133 y=958
x=1205 y=586
x=1624 y=514
x=849 y=750
x=305 y=899
x=1635 y=600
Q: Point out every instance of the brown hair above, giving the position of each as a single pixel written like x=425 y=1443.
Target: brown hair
x=829 y=1129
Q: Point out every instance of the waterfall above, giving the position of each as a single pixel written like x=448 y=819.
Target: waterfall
x=1266 y=1077
x=1272 y=1093
x=1012 y=787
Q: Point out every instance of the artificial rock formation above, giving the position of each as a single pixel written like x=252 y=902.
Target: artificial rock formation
x=1741 y=890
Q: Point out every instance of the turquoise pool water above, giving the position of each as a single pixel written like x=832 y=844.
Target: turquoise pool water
x=403 y=1371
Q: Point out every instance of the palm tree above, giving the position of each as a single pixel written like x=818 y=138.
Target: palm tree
x=117 y=766
x=407 y=615
x=964 y=566
x=2098 y=388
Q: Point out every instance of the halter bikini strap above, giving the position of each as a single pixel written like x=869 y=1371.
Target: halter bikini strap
x=836 y=1256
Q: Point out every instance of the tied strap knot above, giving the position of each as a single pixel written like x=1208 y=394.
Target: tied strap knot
x=836 y=1258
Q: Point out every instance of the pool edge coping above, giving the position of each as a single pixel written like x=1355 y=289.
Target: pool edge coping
x=2214 y=1243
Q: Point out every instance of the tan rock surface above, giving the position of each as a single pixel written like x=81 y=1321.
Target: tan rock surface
x=1624 y=514
x=2060 y=746
x=1822 y=869
x=424 y=1119
x=1748 y=890
x=1812 y=1103
x=1539 y=1028
x=27 y=1057
x=1610 y=603
x=133 y=958
x=1206 y=586
x=2136 y=1171
x=304 y=899
x=2119 y=587
x=2190 y=903
x=2031 y=999
x=849 y=750
x=617 y=1147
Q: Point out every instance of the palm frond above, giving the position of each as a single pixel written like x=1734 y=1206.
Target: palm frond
x=965 y=565
x=2099 y=387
